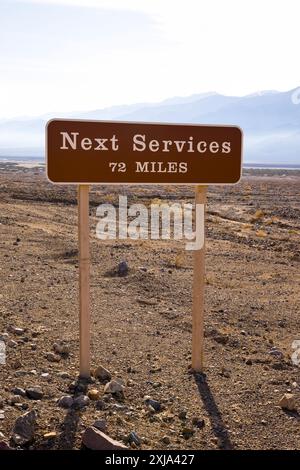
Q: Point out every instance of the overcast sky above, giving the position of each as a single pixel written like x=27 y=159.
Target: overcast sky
x=68 y=55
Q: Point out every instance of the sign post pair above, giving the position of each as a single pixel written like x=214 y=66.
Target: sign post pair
x=106 y=152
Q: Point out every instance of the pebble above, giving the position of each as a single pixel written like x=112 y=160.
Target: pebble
x=156 y=384
x=4 y=336
x=198 y=422
x=182 y=415
x=101 y=405
x=119 y=407
x=24 y=428
x=123 y=269
x=187 y=432
x=65 y=402
x=100 y=424
x=15 y=400
x=166 y=440
x=167 y=417
x=94 y=394
x=248 y=362
x=2 y=416
x=134 y=438
x=64 y=375
x=61 y=348
x=225 y=372
x=156 y=405
x=16 y=364
x=102 y=374
x=50 y=435
x=276 y=353
x=114 y=387
x=76 y=387
x=155 y=369
x=81 y=402
x=51 y=357
x=45 y=376
x=19 y=391
x=20 y=373
x=16 y=330
x=34 y=393
x=19 y=331
x=288 y=402
x=12 y=344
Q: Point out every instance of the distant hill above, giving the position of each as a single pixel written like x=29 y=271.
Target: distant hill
x=270 y=120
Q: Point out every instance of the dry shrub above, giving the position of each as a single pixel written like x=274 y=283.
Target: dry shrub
x=179 y=261
x=261 y=233
x=110 y=198
x=259 y=214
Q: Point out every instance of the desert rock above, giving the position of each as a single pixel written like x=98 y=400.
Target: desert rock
x=97 y=440
x=61 y=348
x=65 y=402
x=81 y=402
x=19 y=391
x=34 y=393
x=24 y=428
x=113 y=386
x=288 y=402
x=100 y=424
x=123 y=269
x=94 y=394
x=102 y=374
x=53 y=357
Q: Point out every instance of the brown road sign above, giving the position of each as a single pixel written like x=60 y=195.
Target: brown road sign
x=88 y=152
x=83 y=152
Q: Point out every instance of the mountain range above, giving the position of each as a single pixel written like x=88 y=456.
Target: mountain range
x=270 y=121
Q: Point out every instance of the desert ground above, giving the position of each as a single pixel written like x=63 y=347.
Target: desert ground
x=141 y=319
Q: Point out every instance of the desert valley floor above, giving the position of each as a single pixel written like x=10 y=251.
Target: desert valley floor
x=141 y=322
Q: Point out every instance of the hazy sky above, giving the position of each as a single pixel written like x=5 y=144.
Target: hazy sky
x=66 y=55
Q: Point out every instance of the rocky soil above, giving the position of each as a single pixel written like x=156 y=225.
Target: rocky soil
x=143 y=393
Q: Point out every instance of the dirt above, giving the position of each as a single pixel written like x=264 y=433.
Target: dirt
x=141 y=322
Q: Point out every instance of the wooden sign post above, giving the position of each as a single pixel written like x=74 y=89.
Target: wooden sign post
x=198 y=294
x=111 y=152
x=84 y=280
